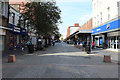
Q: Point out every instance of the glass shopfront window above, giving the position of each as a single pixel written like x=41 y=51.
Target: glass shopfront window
x=114 y=42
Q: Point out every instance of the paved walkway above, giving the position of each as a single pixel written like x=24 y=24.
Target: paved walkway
x=114 y=55
x=59 y=61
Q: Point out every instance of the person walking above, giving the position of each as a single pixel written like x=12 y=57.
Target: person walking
x=84 y=43
x=93 y=45
x=53 y=42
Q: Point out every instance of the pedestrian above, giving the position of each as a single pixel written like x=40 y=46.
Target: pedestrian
x=23 y=45
x=28 y=43
x=93 y=45
x=84 y=43
x=89 y=48
x=53 y=42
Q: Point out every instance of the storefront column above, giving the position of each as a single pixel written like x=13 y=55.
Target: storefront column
x=93 y=38
x=116 y=42
x=104 y=37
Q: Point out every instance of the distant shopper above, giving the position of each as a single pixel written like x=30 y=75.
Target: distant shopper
x=53 y=42
x=28 y=43
x=84 y=43
x=93 y=45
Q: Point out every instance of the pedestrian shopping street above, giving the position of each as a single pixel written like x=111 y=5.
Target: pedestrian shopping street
x=60 y=61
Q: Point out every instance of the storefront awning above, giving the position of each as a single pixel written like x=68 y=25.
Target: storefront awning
x=2 y=27
x=84 y=31
x=72 y=34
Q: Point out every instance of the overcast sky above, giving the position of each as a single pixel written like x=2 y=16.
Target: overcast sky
x=74 y=11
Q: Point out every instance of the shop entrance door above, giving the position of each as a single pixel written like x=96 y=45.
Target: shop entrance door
x=112 y=42
x=96 y=42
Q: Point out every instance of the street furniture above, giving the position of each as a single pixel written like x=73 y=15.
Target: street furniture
x=107 y=58
x=11 y=58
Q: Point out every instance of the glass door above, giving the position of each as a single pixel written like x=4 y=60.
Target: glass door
x=115 y=42
x=109 y=42
x=112 y=42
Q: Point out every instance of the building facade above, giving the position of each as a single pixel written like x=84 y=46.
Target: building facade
x=106 y=24
x=72 y=29
x=84 y=31
x=81 y=33
x=17 y=35
x=3 y=25
x=18 y=5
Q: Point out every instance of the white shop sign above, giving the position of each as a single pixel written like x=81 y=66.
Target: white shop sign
x=114 y=33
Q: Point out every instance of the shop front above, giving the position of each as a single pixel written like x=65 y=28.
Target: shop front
x=84 y=34
x=14 y=37
x=113 y=40
x=107 y=36
x=2 y=39
x=23 y=37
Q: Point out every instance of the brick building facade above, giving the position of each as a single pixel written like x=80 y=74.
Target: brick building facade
x=71 y=29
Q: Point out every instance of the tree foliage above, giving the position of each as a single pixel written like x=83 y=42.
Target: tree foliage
x=43 y=16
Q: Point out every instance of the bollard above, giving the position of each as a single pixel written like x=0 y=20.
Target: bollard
x=107 y=58
x=11 y=58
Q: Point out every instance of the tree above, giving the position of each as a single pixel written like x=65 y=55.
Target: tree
x=43 y=16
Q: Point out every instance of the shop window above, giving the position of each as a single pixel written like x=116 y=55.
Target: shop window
x=13 y=18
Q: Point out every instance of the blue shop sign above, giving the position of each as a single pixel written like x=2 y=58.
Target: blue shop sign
x=107 y=27
x=15 y=29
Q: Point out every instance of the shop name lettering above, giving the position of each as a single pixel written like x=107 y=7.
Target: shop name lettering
x=98 y=29
x=16 y=29
x=23 y=30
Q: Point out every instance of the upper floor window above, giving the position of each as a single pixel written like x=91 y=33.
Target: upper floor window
x=101 y=17
x=94 y=21
x=13 y=18
x=108 y=13
x=97 y=19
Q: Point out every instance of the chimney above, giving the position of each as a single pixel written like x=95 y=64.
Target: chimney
x=77 y=24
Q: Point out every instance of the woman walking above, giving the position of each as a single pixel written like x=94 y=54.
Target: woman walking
x=93 y=45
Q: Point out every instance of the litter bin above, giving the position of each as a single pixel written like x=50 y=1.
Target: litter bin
x=31 y=48
x=88 y=49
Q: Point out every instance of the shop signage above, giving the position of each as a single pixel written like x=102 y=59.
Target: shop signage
x=113 y=34
x=85 y=31
x=107 y=27
x=16 y=29
x=23 y=31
